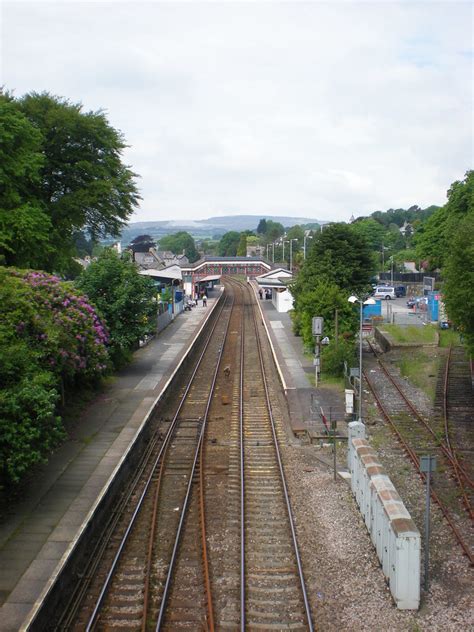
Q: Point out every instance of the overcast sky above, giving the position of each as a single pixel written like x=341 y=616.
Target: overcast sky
x=315 y=109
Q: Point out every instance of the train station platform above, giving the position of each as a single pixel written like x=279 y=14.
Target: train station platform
x=39 y=530
x=307 y=404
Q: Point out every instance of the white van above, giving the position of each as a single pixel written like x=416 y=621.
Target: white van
x=383 y=291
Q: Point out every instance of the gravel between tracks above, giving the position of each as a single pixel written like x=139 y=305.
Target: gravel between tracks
x=346 y=586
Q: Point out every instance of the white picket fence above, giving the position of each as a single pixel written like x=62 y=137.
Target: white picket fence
x=393 y=532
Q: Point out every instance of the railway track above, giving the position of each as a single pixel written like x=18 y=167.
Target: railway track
x=454 y=406
x=418 y=437
x=204 y=538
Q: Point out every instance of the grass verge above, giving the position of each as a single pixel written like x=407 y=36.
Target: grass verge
x=412 y=333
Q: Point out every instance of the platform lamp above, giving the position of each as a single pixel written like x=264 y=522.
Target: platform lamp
x=368 y=301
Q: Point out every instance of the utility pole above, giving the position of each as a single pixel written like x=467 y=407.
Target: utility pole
x=291 y=253
x=284 y=242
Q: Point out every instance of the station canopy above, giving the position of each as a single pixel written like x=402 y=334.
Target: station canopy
x=208 y=279
x=168 y=274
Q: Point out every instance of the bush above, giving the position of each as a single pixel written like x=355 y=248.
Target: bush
x=50 y=338
x=333 y=358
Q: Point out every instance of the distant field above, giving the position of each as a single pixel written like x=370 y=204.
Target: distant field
x=411 y=333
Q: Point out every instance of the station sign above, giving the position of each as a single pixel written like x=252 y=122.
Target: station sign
x=317 y=325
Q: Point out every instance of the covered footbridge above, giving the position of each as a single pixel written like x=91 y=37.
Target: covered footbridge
x=207 y=271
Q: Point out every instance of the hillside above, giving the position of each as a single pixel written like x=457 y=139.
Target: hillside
x=213 y=227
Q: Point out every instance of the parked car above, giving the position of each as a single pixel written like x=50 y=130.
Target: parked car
x=384 y=291
x=400 y=290
x=444 y=324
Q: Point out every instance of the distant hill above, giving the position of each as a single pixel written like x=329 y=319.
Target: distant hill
x=213 y=227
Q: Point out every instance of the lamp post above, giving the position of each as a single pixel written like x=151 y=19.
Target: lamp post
x=304 y=244
x=273 y=252
x=283 y=241
x=368 y=301
x=291 y=252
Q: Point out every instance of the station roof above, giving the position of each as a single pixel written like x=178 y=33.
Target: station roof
x=273 y=282
x=214 y=277
x=171 y=273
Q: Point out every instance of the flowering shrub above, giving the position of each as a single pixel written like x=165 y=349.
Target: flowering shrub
x=64 y=328
x=50 y=336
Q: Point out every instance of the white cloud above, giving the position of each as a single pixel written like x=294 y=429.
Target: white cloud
x=322 y=109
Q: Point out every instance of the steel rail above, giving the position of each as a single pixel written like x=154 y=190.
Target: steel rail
x=197 y=458
x=457 y=466
x=282 y=475
x=66 y=620
x=447 y=451
x=242 y=471
x=166 y=440
x=414 y=458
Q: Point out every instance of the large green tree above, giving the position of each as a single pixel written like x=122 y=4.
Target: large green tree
x=228 y=244
x=125 y=298
x=242 y=247
x=82 y=182
x=180 y=242
x=25 y=225
x=457 y=249
x=339 y=255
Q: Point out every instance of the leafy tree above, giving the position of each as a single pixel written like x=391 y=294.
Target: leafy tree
x=262 y=227
x=83 y=183
x=209 y=246
x=458 y=275
x=296 y=232
x=430 y=241
x=142 y=243
x=84 y=246
x=242 y=247
x=125 y=298
x=340 y=256
x=373 y=232
x=229 y=243
x=274 y=231
x=178 y=243
x=253 y=240
x=323 y=299
x=456 y=223
x=24 y=225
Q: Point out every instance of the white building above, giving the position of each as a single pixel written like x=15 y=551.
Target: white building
x=274 y=283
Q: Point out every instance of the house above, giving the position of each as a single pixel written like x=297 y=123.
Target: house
x=255 y=251
x=148 y=260
x=407 y=229
x=156 y=260
x=169 y=258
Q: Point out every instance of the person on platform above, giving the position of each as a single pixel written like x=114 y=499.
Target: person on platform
x=204 y=300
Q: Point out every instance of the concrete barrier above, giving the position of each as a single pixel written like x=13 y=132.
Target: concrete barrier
x=392 y=531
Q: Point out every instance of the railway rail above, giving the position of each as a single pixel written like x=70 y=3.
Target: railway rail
x=418 y=437
x=204 y=538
